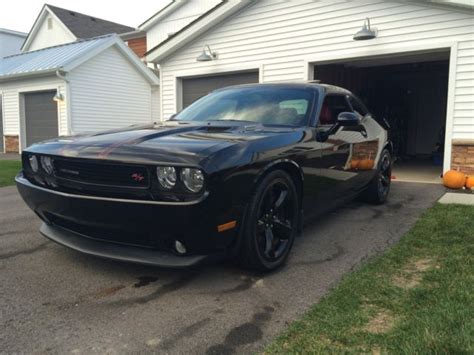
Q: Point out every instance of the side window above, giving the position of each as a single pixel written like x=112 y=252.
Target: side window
x=358 y=106
x=332 y=106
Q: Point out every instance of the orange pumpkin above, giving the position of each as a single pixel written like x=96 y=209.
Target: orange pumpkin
x=470 y=182
x=366 y=164
x=355 y=164
x=454 y=179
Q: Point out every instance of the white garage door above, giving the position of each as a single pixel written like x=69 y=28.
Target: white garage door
x=196 y=88
x=41 y=117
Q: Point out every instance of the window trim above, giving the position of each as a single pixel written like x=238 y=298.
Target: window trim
x=345 y=97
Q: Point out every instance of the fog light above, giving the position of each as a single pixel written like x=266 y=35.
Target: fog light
x=179 y=247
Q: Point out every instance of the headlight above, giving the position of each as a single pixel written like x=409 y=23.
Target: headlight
x=193 y=179
x=47 y=164
x=166 y=176
x=33 y=163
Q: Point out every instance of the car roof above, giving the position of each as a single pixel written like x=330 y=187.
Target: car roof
x=312 y=85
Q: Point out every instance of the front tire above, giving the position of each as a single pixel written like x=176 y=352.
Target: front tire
x=270 y=223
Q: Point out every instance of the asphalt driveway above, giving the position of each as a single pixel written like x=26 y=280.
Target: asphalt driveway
x=56 y=300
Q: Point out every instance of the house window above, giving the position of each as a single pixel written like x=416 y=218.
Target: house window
x=50 y=23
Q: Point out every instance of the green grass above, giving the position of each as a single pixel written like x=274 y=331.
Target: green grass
x=8 y=170
x=417 y=298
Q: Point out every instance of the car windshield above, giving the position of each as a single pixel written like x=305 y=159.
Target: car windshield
x=266 y=105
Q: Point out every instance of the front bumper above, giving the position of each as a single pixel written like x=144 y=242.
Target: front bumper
x=131 y=230
x=118 y=251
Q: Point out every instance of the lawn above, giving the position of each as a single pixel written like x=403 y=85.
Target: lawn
x=417 y=298
x=8 y=170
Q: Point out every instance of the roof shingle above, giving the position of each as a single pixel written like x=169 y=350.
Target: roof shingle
x=85 y=26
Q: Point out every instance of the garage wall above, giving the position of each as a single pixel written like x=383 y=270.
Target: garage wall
x=11 y=101
x=108 y=92
x=281 y=37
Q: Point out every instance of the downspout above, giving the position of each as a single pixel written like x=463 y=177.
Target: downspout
x=62 y=75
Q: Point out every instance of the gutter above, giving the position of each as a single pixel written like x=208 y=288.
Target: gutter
x=17 y=76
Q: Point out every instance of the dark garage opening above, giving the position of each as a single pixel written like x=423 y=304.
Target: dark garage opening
x=410 y=92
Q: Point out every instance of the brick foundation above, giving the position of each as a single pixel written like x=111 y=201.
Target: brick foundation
x=462 y=156
x=11 y=144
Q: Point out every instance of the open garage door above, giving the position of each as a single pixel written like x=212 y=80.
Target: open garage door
x=41 y=117
x=195 y=88
x=410 y=92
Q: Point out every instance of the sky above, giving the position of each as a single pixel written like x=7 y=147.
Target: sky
x=19 y=15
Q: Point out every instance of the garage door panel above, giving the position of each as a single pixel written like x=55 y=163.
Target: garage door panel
x=41 y=117
x=195 y=88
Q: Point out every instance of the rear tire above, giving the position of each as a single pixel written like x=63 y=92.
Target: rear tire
x=270 y=223
x=379 y=188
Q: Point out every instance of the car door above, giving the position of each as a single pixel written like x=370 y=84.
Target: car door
x=342 y=147
x=367 y=147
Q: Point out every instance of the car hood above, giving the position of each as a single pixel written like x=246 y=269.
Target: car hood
x=171 y=142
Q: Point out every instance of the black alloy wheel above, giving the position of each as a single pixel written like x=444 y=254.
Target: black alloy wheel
x=271 y=223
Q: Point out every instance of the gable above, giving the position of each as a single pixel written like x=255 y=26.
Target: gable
x=55 y=26
x=174 y=21
x=48 y=31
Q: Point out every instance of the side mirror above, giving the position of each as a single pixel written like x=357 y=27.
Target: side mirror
x=346 y=119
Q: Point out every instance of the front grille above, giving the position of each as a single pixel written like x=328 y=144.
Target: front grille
x=114 y=235
x=102 y=173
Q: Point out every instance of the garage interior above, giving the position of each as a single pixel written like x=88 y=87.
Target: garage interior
x=410 y=92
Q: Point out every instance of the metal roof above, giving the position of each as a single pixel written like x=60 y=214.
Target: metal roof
x=49 y=59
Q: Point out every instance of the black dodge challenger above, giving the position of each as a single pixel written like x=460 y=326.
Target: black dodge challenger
x=233 y=174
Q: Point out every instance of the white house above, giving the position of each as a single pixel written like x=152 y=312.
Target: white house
x=10 y=41
x=172 y=18
x=84 y=86
x=418 y=71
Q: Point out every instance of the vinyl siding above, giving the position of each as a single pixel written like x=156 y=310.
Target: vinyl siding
x=463 y=123
x=11 y=101
x=280 y=37
x=155 y=104
x=50 y=37
x=108 y=92
x=10 y=44
x=176 y=20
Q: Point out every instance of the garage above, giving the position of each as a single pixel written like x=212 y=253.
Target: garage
x=195 y=88
x=409 y=91
x=80 y=87
x=41 y=116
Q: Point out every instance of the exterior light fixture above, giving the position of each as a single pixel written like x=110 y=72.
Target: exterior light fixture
x=206 y=55
x=58 y=97
x=365 y=33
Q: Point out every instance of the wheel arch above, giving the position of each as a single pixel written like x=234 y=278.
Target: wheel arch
x=290 y=167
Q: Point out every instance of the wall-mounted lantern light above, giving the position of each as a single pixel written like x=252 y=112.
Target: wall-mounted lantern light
x=58 y=97
x=366 y=32
x=207 y=54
